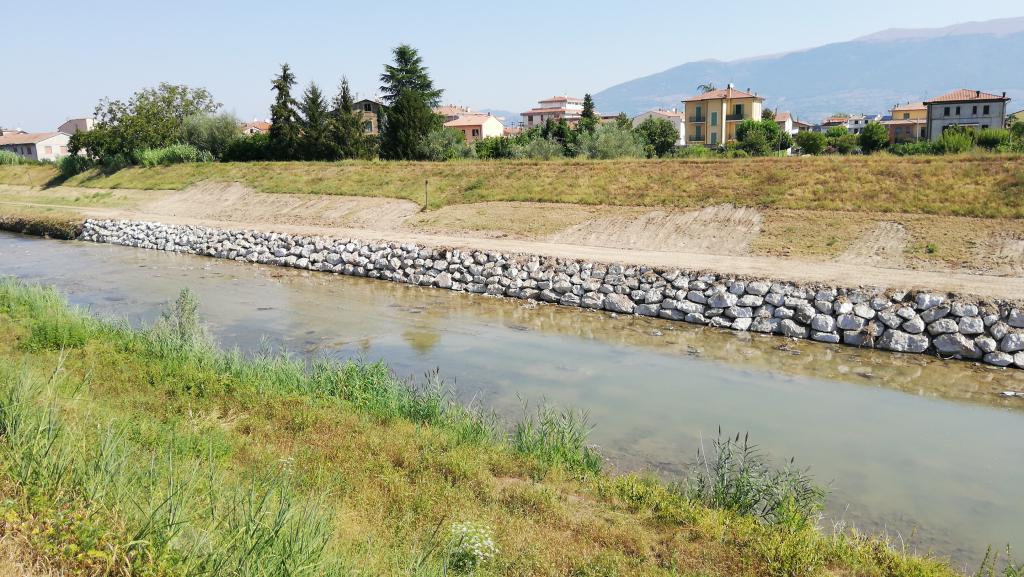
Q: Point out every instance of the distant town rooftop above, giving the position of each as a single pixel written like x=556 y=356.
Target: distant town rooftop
x=966 y=95
x=726 y=93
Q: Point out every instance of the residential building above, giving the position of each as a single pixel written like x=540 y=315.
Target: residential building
x=833 y=121
x=451 y=112
x=789 y=124
x=674 y=116
x=477 y=126
x=6 y=131
x=77 y=125
x=256 y=127
x=969 y=108
x=908 y=122
x=555 y=108
x=712 y=117
x=370 y=109
x=36 y=146
x=855 y=123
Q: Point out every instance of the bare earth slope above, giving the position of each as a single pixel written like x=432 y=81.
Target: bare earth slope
x=715 y=238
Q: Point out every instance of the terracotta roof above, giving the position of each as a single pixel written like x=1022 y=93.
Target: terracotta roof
x=726 y=93
x=258 y=125
x=452 y=110
x=562 y=99
x=801 y=123
x=965 y=95
x=469 y=120
x=782 y=116
x=910 y=106
x=28 y=138
x=903 y=121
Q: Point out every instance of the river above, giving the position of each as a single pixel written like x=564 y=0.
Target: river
x=926 y=450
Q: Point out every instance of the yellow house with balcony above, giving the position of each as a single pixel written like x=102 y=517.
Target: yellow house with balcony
x=712 y=117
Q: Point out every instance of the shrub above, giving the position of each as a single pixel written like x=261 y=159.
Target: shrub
x=991 y=139
x=8 y=158
x=735 y=476
x=251 y=148
x=811 y=142
x=115 y=162
x=538 y=149
x=874 y=137
x=911 y=148
x=955 y=140
x=692 y=151
x=174 y=154
x=445 y=144
x=211 y=133
x=659 y=135
x=611 y=141
x=73 y=164
x=495 y=147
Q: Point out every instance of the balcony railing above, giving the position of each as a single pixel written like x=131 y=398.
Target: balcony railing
x=734 y=117
x=698 y=119
x=696 y=138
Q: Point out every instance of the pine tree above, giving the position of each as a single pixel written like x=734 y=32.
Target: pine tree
x=316 y=142
x=407 y=123
x=588 y=119
x=284 y=130
x=347 y=125
x=408 y=73
x=410 y=95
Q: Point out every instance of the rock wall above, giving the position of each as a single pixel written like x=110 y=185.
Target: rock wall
x=893 y=320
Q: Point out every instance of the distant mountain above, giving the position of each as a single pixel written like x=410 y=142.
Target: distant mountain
x=869 y=74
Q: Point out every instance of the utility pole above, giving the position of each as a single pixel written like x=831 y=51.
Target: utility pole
x=426 y=197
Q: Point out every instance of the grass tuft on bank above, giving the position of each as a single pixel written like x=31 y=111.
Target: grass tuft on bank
x=151 y=452
x=980 y=185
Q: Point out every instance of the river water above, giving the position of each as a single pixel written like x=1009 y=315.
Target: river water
x=926 y=450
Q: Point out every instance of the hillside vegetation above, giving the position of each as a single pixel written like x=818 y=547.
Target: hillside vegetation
x=149 y=452
x=981 y=185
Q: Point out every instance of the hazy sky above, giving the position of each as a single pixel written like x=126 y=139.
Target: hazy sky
x=63 y=56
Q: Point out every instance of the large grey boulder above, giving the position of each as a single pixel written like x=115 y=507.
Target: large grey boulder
x=957 y=345
x=971 y=326
x=823 y=323
x=1012 y=343
x=722 y=300
x=998 y=359
x=925 y=301
x=901 y=342
x=933 y=314
x=943 y=326
x=790 y=328
x=850 y=322
x=617 y=303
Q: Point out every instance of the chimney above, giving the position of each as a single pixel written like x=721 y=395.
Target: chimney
x=1004 y=94
x=977 y=94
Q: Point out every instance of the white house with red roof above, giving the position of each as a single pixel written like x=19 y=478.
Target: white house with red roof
x=557 y=107
x=964 y=107
x=36 y=145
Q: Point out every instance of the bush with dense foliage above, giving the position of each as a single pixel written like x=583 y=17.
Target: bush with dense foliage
x=610 y=141
x=248 y=148
x=73 y=164
x=174 y=154
x=873 y=138
x=446 y=144
x=955 y=140
x=762 y=137
x=992 y=139
x=213 y=133
x=811 y=142
x=659 y=136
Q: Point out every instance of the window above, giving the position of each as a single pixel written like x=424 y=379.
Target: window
x=714 y=136
x=529 y=118
x=974 y=110
x=699 y=116
x=476 y=132
x=714 y=118
x=958 y=111
x=368 y=126
x=737 y=110
x=946 y=112
x=984 y=127
x=367 y=107
x=906 y=116
x=985 y=110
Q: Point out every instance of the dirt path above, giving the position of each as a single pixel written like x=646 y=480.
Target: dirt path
x=882 y=246
x=698 y=240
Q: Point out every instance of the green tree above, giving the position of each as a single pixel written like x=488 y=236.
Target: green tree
x=874 y=137
x=284 y=121
x=151 y=118
x=316 y=142
x=659 y=135
x=840 y=140
x=211 y=133
x=623 y=120
x=407 y=123
x=767 y=114
x=762 y=137
x=588 y=118
x=408 y=74
x=347 y=125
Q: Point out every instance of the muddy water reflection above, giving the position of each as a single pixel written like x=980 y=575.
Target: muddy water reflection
x=908 y=443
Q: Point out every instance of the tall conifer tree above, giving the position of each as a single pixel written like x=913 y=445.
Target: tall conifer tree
x=347 y=125
x=316 y=142
x=410 y=95
x=284 y=130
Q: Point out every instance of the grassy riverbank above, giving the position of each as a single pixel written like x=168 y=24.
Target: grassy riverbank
x=965 y=185
x=151 y=453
